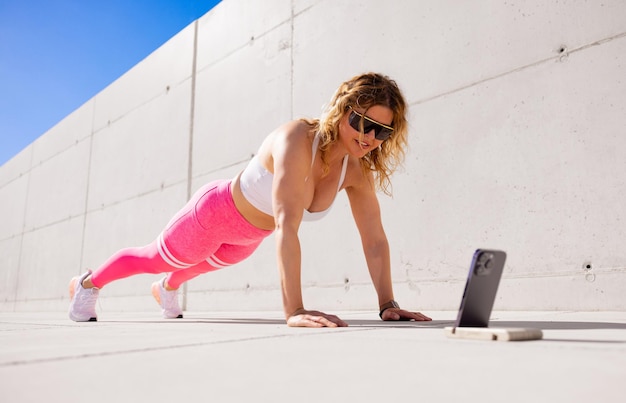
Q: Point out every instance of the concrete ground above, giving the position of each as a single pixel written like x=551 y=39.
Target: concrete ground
x=254 y=356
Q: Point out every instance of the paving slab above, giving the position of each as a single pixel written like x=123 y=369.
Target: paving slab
x=254 y=356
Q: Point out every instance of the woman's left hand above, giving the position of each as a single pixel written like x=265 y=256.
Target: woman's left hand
x=401 y=314
x=304 y=318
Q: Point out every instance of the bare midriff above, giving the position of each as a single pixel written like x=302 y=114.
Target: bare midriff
x=248 y=211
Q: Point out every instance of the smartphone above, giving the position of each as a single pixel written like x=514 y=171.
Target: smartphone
x=481 y=288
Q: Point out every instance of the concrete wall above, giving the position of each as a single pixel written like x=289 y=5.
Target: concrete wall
x=517 y=142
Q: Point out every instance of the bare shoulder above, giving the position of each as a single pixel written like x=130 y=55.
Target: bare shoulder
x=294 y=132
x=292 y=140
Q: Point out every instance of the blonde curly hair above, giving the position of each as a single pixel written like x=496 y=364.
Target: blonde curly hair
x=364 y=91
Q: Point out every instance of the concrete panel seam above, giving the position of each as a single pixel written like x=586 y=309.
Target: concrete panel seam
x=234 y=164
x=138 y=106
x=192 y=113
x=12 y=236
x=192 y=109
x=42 y=162
x=306 y=285
x=102 y=207
x=21 y=174
x=87 y=187
x=514 y=276
x=564 y=52
x=244 y=45
x=21 y=244
x=48 y=225
x=565 y=273
x=304 y=10
x=138 y=195
x=246 y=288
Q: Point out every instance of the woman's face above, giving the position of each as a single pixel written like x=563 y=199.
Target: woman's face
x=351 y=138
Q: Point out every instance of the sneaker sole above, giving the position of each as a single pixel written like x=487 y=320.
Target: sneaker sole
x=75 y=319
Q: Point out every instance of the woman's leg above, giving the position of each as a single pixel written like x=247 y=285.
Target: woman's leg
x=129 y=262
x=207 y=234
x=156 y=257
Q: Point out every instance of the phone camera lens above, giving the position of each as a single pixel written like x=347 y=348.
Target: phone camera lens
x=485 y=264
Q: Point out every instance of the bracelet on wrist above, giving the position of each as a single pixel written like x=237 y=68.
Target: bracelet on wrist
x=387 y=305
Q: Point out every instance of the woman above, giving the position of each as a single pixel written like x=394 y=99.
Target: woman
x=295 y=176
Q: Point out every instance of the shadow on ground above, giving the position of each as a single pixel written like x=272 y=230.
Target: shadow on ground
x=544 y=325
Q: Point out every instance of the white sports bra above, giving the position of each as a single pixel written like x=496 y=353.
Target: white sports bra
x=256 y=185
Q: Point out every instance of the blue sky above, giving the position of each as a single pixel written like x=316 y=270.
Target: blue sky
x=57 y=54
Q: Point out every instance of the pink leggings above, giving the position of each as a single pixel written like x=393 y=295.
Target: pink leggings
x=208 y=234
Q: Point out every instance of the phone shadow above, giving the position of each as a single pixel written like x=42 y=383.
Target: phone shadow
x=408 y=324
x=543 y=325
x=559 y=325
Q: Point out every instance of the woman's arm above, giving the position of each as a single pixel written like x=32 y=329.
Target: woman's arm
x=291 y=154
x=290 y=170
x=367 y=216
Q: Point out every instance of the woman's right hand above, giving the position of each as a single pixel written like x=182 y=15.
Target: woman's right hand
x=304 y=318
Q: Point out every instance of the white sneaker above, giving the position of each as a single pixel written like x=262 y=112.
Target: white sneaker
x=83 y=300
x=167 y=299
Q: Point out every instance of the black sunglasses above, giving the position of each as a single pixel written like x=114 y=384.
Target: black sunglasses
x=381 y=132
